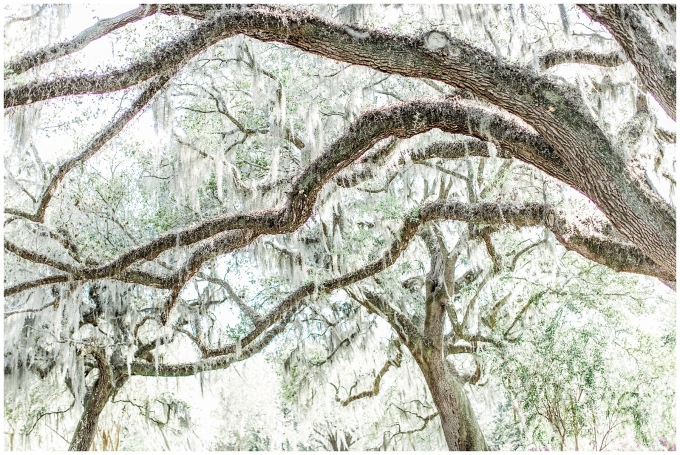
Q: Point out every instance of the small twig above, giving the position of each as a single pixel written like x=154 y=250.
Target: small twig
x=54 y=304
x=16 y=183
x=50 y=413
x=376 y=382
x=26 y=18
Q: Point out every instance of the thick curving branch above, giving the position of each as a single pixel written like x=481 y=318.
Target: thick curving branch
x=652 y=63
x=402 y=120
x=40 y=258
x=596 y=246
x=626 y=258
x=555 y=110
x=450 y=150
x=166 y=57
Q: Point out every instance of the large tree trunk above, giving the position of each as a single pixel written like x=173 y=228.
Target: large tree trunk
x=87 y=426
x=458 y=421
x=104 y=387
x=459 y=424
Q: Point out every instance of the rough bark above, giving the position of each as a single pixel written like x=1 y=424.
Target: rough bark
x=104 y=387
x=458 y=421
x=404 y=120
x=554 y=110
x=652 y=63
x=15 y=289
x=597 y=241
x=524 y=146
x=597 y=246
x=583 y=56
x=173 y=55
x=568 y=146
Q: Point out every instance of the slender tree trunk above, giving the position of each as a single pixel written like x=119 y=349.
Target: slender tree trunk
x=458 y=421
x=575 y=423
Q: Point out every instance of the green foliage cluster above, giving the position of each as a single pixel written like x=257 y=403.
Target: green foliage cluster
x=578 y=375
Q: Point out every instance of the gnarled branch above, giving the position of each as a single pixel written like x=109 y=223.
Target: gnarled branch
x=396 y=362
x=582 y=56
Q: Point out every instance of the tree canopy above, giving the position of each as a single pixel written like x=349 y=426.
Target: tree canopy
x=480 y=197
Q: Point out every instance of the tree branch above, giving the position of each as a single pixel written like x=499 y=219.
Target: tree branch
x=642 y=49
x=11 y=20
x=597 y=247
x=401 y=432
x=582 y=56
x=532 y=301
x=206 y=250
x=111 y=130
x=145 y=368
x=15 y=289
x=53 y=304
x=556 y=111
x=396 y=362
x=243 y=306
x=98 y=30
x=403 y=120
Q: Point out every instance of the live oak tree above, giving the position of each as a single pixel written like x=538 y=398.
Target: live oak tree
x=557 y=344
x=269 y=125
